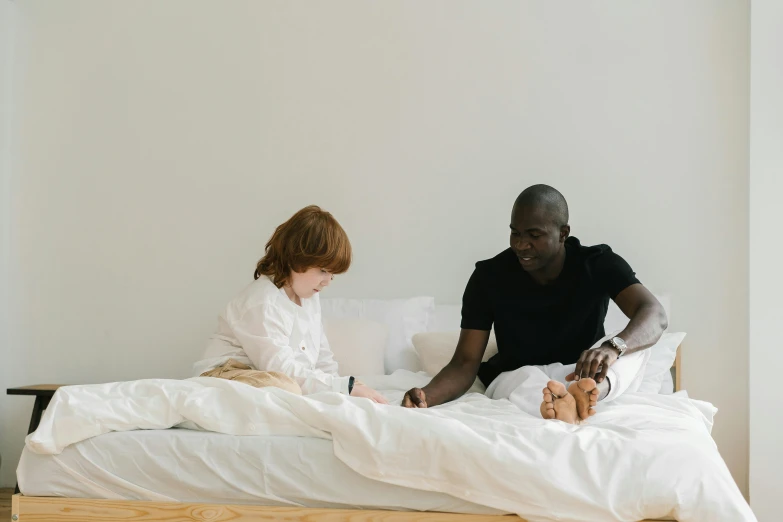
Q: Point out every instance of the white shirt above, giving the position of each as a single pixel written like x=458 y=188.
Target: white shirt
x=264 y=329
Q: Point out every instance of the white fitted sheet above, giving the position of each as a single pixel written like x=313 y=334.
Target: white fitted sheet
x=195 y=466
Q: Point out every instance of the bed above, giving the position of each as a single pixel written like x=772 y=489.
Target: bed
x=189 y=474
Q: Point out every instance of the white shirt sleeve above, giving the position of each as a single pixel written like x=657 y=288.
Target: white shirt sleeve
x=326 y=360
x=263 y=335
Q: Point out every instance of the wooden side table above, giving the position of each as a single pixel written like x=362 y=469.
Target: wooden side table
x=43 y=394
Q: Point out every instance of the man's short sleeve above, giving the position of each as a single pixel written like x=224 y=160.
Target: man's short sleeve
x=476 y=305
x=613 y=273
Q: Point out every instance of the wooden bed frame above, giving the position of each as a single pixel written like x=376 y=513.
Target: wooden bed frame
x=59 y=509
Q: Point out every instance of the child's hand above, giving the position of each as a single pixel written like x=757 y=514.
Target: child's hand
x=361 y=390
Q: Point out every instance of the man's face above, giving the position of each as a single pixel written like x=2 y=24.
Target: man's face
x=535 y=237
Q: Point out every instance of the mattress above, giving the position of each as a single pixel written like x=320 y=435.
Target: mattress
x=196 y=466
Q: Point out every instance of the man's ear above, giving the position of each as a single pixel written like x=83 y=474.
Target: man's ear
x=565 y=231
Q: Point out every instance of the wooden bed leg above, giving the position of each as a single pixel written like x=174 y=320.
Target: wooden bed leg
x=15 y=507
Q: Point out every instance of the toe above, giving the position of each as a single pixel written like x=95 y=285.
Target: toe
x=547 y=410
x=587 y=385
x=556 y=388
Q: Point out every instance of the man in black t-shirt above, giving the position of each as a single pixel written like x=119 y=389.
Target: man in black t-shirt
x=547 y=298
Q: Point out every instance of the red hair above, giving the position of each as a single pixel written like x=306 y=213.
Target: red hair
x=310 y=238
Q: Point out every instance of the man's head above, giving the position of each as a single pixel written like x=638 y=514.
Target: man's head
x=539 y=226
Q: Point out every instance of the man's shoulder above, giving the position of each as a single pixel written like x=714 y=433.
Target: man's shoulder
x=600 y=262
x=500 y=262
x=588 y=252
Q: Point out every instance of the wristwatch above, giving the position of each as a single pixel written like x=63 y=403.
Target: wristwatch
x=618 y=344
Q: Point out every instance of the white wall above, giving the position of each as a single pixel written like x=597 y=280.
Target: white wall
x=162 y=142
x=766 y=279
x=8 y=27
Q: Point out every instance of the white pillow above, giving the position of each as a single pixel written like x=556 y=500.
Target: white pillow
x=435 y=349
x=358 y=345
x=660 y=363
x=402 y=317
x=667 y=384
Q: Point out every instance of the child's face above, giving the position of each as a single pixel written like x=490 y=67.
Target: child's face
x=307 y=284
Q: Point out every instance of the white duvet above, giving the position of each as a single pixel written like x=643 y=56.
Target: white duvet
x=642 y=456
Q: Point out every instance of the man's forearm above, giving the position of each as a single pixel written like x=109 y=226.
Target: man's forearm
x=450 y=383
x=645 y=328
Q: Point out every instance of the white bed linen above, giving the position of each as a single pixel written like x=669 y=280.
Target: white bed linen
x=641 y=456
x=197 y=466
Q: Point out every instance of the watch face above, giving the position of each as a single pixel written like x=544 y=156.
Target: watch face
x=619 y=343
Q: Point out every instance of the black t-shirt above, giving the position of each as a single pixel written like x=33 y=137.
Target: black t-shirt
x=543 y=324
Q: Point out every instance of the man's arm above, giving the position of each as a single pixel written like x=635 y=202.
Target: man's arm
x=456 y=377
x=647 y=317
x=647 y=323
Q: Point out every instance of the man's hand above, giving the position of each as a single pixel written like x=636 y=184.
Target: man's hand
x=456 y=377
x=414 y=398
x=594 y=364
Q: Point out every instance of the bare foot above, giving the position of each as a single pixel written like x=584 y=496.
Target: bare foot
x=585 y=394
x=559 y=404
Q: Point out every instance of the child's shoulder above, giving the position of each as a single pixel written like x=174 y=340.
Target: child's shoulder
x=261 y=292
